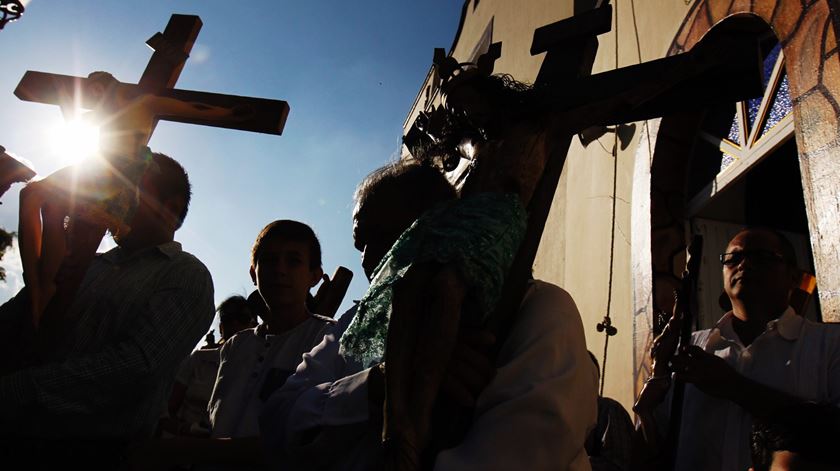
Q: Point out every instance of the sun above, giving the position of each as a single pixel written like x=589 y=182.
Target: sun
x=75 y=140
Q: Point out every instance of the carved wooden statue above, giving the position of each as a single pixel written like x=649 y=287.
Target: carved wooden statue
x=516 y=138
x=104 y=191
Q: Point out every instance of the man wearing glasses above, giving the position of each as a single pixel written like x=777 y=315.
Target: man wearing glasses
x=759 y=362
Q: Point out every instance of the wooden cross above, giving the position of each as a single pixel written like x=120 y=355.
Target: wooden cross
x=567 y=100
x=721 y=69
x=129 y=113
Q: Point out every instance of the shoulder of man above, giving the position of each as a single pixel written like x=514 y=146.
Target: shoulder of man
x=546 y=310
x=240 y=338
x=185 y=268
x=182 y=257
x=542 y=292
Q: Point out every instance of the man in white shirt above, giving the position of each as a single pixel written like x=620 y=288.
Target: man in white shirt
x=760 y=359
x=533 y=407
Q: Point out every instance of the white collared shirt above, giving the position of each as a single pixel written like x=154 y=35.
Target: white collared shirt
x=793 y=355
x=254 y=364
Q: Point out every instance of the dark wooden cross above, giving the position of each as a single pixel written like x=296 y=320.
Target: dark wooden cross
x=130 y=112
x=722 y=68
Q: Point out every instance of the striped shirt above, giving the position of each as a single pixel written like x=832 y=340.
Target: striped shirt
x=135 y=318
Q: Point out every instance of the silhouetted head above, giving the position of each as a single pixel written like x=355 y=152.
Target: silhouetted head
x=235 y=315
x=388 y=201
x=474 y=111
x=286 y=263
x=165 y=194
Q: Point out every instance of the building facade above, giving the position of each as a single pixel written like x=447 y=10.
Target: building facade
x=631 y=196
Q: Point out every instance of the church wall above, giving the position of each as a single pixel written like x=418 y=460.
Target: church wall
x=575 y=248
x=585 y=221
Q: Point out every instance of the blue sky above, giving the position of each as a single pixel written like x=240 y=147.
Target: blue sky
x=349 y=70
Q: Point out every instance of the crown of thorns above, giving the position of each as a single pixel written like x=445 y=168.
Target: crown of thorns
x=450 y=73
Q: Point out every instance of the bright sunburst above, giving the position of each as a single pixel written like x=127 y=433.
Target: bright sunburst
x=73 y=141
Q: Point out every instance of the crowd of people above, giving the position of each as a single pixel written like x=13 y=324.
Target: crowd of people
x=99 y=368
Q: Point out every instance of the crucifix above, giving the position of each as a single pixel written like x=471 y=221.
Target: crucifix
x=107 y=192
x=128 y=113
x=517 y=142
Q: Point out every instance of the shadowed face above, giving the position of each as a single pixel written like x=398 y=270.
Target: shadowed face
x=283 y=274
x=377 y=223
x=757 y=270
x=153 y=220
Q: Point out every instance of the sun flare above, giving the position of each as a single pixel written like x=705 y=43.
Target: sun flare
x=74 y=141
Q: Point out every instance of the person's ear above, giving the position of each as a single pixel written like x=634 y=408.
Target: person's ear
x=253 y=273
x=315 y=276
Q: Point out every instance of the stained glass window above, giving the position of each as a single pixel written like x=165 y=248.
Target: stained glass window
x=782 y=106
x=755 y=118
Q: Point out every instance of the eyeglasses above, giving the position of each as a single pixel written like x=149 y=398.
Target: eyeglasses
x=761 y=257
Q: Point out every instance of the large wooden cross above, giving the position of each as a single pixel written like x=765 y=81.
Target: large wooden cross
x=129 y=113
x=567 y=100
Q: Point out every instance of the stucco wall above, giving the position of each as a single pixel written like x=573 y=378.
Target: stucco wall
x=575 y=249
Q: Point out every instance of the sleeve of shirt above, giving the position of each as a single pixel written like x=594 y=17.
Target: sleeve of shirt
x=616 y=439
x=185 y=371
x=175 y=317
x=218 y=396
x=538 y=409
x=301 y=419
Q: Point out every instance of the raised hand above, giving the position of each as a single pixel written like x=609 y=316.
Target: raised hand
x=661 y=352
x=656 y=387
x=711 y=374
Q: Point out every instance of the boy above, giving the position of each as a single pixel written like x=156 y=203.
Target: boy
x=197 y=375
x=285 y=265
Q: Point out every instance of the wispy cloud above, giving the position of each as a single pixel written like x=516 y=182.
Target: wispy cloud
x=199 y=54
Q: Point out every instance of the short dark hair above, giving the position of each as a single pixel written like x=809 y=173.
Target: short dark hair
x=171 y=180
x=235 y=308
x=415 y=187
x=289 y=230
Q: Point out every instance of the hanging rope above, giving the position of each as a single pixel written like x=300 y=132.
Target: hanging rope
x=639 y=52
x=606 y=324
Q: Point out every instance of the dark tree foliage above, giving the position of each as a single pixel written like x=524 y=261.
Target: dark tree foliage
x=5 y=242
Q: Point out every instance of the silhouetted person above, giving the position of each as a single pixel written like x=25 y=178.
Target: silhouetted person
x=138 y=312
x=197 y=375
x=533 y=405
x=609 y=444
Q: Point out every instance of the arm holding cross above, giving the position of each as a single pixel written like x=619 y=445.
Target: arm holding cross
x=53 y=244
x=42 y=246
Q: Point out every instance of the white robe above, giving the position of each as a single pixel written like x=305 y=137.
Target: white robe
x=535 y=413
